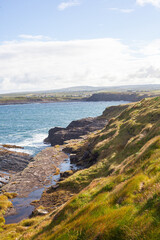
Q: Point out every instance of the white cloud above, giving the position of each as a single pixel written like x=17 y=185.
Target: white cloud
x=155 y=3
x=37 y=65
x=33 y=37
x=123 y=10
x=152 y=48
x=62 y=6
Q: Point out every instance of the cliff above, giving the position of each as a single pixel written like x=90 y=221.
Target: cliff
x=131 y=97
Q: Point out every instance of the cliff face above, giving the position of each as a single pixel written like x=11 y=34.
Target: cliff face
x=131 y=97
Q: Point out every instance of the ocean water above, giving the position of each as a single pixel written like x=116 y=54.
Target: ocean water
x=27 y=125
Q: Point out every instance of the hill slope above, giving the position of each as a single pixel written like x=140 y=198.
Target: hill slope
x=118 y=197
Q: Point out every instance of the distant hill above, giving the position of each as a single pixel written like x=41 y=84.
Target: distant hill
x=137 y=88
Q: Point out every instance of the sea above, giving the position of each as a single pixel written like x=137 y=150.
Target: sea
x=27 y=125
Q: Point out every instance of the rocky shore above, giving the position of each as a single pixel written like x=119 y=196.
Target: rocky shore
x=11 y=163
x=38 y=172
x=31 y=174
x=74 y=130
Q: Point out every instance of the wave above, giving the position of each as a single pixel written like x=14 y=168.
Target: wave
x=36 y=140
x=31 y=145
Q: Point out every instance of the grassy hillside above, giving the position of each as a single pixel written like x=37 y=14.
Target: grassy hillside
x=117 y=198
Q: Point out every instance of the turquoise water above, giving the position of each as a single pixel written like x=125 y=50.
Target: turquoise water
x=27 y=125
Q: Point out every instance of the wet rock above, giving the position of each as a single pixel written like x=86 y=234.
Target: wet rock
x=37 y=173
x=11 y=146
x=13 y=161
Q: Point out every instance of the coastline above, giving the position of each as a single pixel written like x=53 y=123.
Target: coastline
x=39 y=102
x=42 y=172
x=94 y=97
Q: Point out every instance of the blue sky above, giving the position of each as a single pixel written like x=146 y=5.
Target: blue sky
x=87 y=19
x=58 y=43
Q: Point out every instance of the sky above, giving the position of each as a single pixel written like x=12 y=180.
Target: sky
x=51 y=44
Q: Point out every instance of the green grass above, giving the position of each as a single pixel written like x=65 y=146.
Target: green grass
x=118 y=198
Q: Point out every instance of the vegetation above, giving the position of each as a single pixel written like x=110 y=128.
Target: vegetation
x=129 y=93
x=117 y=198
x=42 y=97
x=4 y=205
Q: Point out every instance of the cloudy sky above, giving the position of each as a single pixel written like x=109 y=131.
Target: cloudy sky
x=50 y=44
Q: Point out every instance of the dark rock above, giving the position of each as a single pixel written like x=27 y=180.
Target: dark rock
x=87 y=159
x=66 y=174
x=131 y=97
x=73 y=158
x=46 y=140
x=86 y=155
x=52 y=188
x=68 y=150
x=80 y=123
x=13 y=161
x=74 y=130
x=51 y=132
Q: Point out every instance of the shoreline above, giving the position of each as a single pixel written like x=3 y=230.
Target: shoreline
x=30 y=183
x=40 y=102
x=40 y=174
x=94 y=97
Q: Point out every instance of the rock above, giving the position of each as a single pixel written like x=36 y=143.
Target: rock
x=4 y=180
x=131 y=97
x=87 y=159
x=66 y=174
x=39 y=212
x=46 y=140
x=76 y=129
x=13 y=161
x=52 y=188
x=38 y=173
x=73 y=158
x=11 y=146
